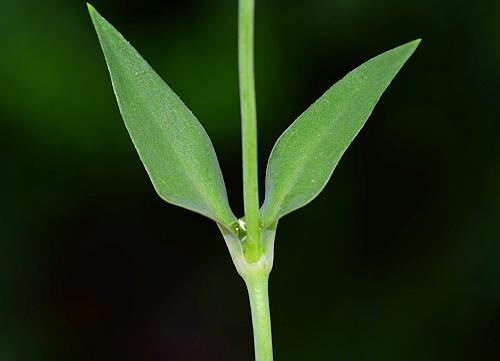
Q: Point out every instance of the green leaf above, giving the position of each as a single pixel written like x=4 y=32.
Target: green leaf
x=175 y=149
x=304 y=157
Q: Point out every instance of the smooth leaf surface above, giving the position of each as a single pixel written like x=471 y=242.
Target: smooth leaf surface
x=304 y=157
x=175 y=149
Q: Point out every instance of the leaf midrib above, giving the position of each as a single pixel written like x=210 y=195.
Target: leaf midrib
x=199 y=187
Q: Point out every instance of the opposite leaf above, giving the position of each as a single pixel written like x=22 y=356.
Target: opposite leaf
x=304 y=157
x=172 y=144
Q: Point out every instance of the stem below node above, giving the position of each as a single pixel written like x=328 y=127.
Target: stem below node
x=257 y=286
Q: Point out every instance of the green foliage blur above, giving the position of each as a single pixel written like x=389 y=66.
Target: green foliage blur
x=398 y=259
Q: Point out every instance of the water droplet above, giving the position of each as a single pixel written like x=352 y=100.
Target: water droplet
x=239 y=228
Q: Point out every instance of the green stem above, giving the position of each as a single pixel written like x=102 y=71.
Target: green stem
x=257 y=286
x=253 y=247
x=256 y=272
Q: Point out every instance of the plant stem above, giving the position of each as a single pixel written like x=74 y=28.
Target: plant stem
x=257 y=286
x=253 y=247
x=256 y=280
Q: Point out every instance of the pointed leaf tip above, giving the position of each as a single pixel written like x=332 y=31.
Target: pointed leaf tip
x=90 y=8
x=410 y=46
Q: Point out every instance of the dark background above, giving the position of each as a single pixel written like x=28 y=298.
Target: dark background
x=398 y=259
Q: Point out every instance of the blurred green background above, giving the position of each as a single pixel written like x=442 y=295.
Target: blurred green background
x=398 y=259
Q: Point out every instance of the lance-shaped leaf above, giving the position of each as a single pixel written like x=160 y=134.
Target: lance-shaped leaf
x=304 y=157
x=175 y=149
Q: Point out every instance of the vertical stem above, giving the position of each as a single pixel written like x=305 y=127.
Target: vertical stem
x=257 y=281
x=253 y=248
x=257 y=286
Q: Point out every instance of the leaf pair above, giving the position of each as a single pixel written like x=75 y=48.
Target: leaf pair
x=178 y=154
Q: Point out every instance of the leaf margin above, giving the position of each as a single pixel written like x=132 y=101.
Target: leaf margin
x=225 y=217
x=268 y=217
